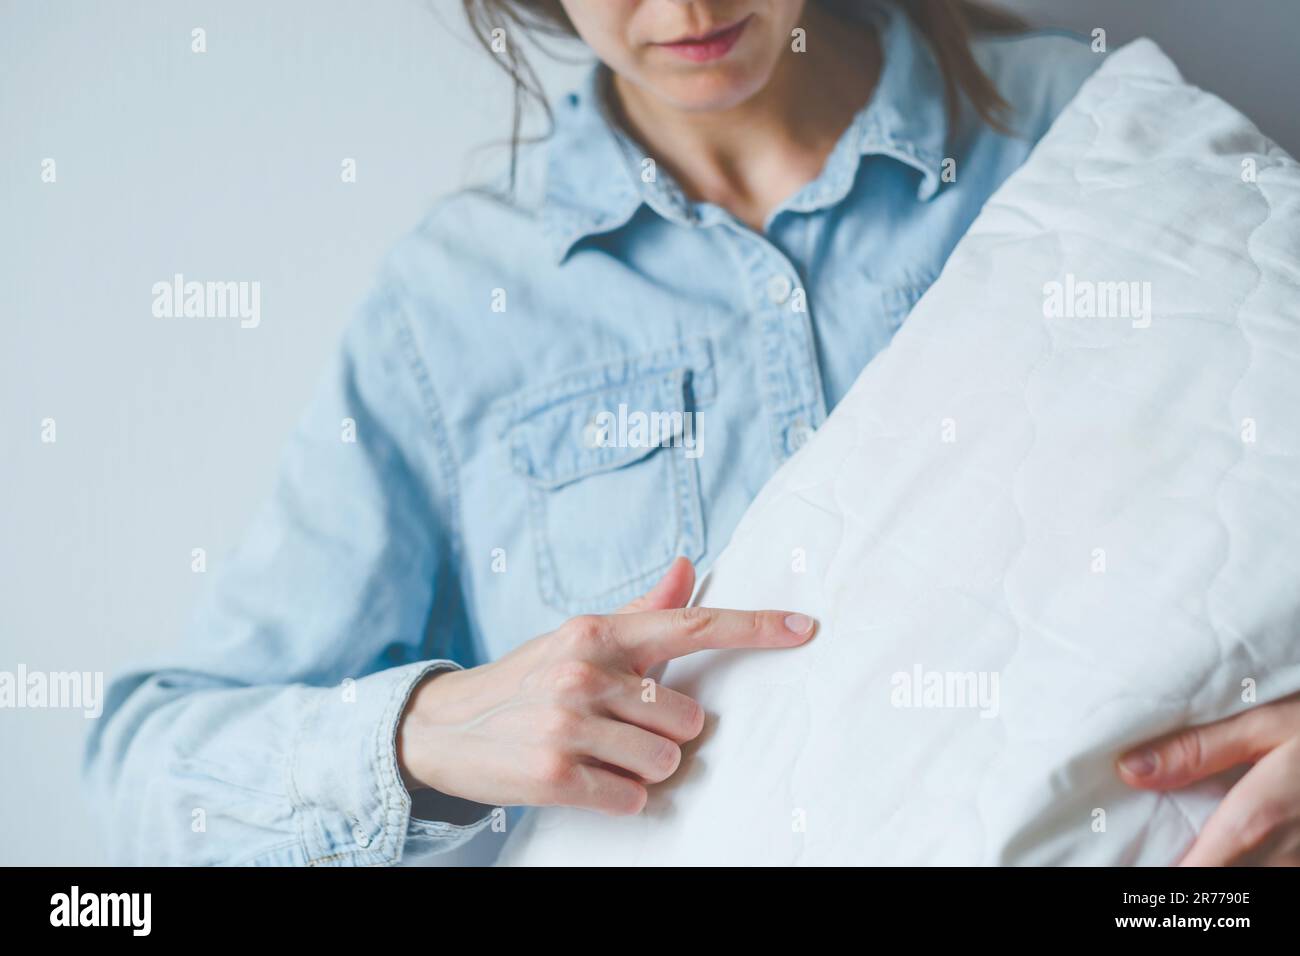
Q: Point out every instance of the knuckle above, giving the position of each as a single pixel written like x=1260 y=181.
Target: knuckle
x=693 y=719
x=575 y=677
x=666 y=758
x=559 y=726
x=585 y=630
x=629 y=801
x=553 y=770
x=1186 y=751
x=692 y=620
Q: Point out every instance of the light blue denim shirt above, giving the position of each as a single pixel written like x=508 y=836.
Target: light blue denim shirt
x=497 y=482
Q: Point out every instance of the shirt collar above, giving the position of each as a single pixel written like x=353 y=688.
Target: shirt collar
x=597 y=177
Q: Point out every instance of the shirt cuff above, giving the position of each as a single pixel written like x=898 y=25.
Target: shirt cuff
x=350 y=804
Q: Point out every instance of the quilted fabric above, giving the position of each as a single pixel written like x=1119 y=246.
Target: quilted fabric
x=1036 y=532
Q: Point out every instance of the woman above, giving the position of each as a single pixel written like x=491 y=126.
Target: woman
x=727 y=223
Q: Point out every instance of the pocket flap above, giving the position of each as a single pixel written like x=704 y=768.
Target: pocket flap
x=564 y=440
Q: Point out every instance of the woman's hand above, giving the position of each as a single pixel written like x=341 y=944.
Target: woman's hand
x=566 y=718
x=1258 y=821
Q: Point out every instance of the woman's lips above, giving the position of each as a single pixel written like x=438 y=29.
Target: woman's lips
x=710 y=46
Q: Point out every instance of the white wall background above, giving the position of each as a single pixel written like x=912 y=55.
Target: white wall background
x=227 y=165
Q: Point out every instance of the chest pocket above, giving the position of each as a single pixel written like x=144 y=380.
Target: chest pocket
x=609 y=458
x=896 y=300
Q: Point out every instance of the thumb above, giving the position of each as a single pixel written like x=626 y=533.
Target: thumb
x=673 y=590
x=1199 y=752
x=1250 y=825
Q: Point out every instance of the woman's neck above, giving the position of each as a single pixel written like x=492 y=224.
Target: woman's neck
x=752 y=157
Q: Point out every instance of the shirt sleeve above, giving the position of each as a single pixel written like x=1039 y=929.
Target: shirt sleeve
x=269 y=735
x=1038 y=73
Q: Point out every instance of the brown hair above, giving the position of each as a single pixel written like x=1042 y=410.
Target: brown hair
x=948 y=26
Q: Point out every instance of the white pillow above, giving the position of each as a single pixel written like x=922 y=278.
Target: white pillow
x=1097 y=517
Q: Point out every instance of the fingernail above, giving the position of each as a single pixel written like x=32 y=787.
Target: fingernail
x=799 y=623
x=1140 y=763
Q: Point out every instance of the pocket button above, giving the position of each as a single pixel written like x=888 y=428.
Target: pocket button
x=361 y=836
x=797 y=436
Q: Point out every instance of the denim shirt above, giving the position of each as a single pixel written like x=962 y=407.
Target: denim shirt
x=550 y=394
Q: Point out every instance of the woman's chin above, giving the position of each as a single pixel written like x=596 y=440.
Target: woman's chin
x=707 y=91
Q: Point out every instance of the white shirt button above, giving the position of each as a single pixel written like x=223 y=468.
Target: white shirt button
x=779 y=289
x=361 y=836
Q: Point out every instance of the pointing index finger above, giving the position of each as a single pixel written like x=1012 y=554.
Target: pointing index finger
x=652 y=637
